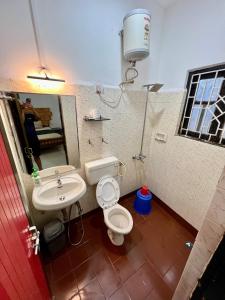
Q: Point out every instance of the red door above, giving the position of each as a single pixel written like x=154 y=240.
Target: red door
x=21 y=274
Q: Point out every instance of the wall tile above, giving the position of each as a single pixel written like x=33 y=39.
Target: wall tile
x=199 y=256
x=182 y=172
x=187 y=282
x=221 y=182
x=210 y=234
x=216 y=213
x=181 y=293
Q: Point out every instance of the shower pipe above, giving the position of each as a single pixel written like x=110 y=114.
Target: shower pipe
x=152 y=87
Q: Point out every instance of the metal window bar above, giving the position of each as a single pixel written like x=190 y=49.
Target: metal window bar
x=200 y=104
x=208 y=72
x=199 y=123
x=222 y=134
x=186 y=104
x=215 y=118
x=193 y=105
x=209 y=103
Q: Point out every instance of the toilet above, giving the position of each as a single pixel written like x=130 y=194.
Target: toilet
x=116 y=217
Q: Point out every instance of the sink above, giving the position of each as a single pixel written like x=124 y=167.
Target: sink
x=48 y=196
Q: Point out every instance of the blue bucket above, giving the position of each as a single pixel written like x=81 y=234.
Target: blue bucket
x=143 y=203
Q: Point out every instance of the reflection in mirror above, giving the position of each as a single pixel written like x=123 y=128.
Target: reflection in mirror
x=38 y=129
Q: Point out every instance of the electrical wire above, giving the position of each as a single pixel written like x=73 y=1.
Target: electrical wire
x=111 y=102
x=82 y=225
x=36 y=35
x=134 y=76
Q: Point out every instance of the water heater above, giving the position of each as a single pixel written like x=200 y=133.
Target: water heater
x=136 y=33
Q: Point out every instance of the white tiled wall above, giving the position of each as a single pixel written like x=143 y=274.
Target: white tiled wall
x=122 y=132
x=207 y=240
x=182 y=172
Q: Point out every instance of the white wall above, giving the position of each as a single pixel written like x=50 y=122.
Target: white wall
x=182 y=172
x=79 y=39
x=122 y=132
x=193 y=37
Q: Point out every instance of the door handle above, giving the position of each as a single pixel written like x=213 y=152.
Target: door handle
x=36 y=244
x=35 y=238
x=32 y=228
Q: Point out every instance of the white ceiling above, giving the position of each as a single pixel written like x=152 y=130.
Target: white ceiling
x=166 y=3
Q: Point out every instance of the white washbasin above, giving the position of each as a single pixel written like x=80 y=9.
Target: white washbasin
x=48 y=196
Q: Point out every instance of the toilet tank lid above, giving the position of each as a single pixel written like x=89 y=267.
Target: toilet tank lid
x=101 y=163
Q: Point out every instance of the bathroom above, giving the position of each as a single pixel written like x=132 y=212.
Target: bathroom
x=142 y=132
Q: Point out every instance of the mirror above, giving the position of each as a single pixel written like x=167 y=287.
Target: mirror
x=44 y=128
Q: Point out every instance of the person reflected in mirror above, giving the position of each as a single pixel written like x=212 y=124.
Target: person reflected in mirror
x=29 y=116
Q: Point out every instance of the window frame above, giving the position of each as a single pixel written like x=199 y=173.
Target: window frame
x=194 y=135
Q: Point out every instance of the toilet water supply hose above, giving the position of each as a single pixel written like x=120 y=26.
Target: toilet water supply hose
x=81 y=221
x=79 y=209
x=120 y=172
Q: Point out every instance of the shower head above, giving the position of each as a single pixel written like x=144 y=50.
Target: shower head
x=153 y=87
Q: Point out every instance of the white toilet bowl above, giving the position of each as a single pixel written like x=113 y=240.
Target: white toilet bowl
x=117 y=218
x=119 y=222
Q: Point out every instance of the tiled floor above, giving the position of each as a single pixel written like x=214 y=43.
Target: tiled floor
x=147 y=266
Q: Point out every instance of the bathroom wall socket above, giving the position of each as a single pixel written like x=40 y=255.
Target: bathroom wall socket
x=99 y=89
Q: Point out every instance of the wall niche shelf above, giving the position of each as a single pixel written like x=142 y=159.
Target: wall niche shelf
x=88 y=118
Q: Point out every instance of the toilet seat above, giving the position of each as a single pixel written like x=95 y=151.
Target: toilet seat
x=107 y=192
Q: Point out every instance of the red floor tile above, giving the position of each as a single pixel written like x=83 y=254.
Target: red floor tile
x=92 y=291
x=65 y=288
x=126 y=266
x=159 y=295
x=60 y=266
x=172 y=277
x=160 y=257
x=109 y=281
x=84 y=273
x=147 y=266
x=107 y=277
x=78 y=255
x=139 y=285
x=120 y=294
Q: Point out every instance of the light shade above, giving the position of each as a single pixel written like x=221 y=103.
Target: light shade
x=45 y=78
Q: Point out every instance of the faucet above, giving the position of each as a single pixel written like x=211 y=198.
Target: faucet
x=59 y=181
x=140 y=157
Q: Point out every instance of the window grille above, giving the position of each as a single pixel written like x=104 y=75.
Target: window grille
x=203 y=117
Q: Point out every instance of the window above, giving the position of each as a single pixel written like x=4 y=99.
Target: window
x=204 y=111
